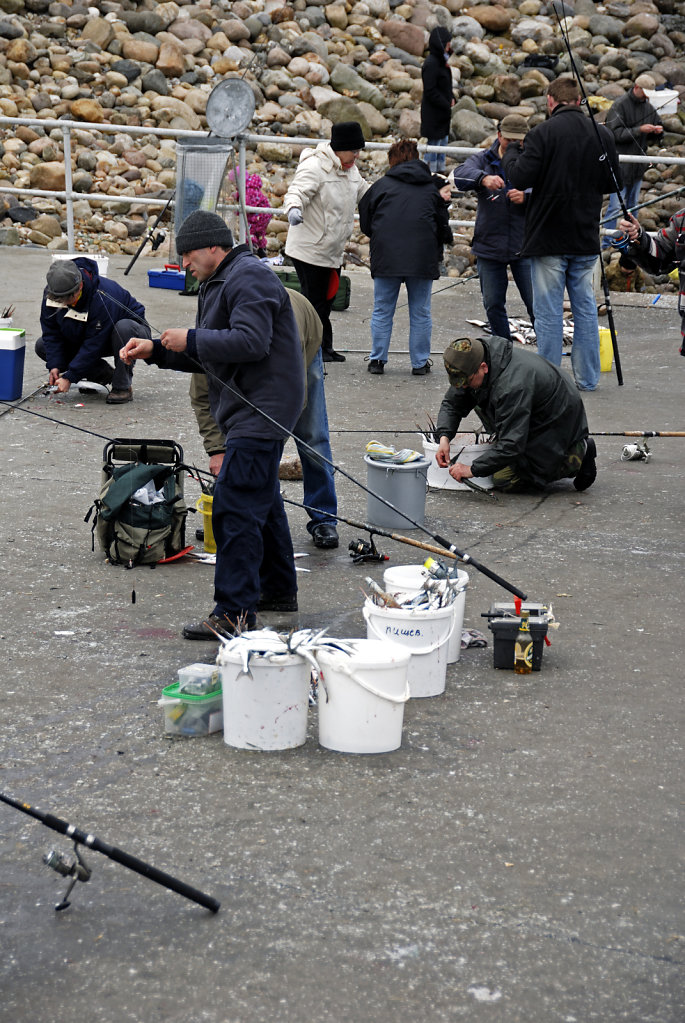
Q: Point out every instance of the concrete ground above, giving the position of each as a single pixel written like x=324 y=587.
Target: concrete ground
x=519 y=858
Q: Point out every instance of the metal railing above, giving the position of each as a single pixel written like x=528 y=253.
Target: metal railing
x=240 y=143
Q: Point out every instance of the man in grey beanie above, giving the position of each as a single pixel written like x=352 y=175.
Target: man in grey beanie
x=246 y=341
x=83 y=319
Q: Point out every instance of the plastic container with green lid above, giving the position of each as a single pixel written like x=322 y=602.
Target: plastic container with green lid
x=185 y=714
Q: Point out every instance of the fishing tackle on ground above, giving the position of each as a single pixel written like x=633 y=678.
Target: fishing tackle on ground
x=59 y=863
x=363 y=550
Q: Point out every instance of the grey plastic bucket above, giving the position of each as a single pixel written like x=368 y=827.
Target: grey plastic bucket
x=404 y=486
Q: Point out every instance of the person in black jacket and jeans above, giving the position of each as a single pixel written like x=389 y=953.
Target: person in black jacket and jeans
x=567 y=161
x=407 y=222
x=438 y=99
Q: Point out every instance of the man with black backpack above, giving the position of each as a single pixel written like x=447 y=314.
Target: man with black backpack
x=247 y=343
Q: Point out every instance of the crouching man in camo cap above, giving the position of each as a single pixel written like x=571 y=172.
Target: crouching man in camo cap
x=532 y=407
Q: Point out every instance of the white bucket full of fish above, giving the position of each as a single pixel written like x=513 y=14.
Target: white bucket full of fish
x=265 y=680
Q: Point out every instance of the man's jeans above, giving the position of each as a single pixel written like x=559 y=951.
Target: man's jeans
x=631 y=195
x=312 y=428
x=575 y=274
x=436 y=161
x=385 y=292
x=492 y=275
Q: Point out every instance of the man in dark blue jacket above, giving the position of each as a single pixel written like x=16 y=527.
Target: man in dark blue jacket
x=246 y=341
x=500 y=223
x=438 y=97
x=84 y=318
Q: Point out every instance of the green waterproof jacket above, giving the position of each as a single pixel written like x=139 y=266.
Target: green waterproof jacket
x=532 y=406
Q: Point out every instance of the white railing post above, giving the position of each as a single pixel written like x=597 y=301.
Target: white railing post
x=68 y=187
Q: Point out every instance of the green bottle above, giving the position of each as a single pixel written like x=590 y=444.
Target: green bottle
x=523 y=647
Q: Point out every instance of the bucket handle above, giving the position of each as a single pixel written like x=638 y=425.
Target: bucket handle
x=370 y=689
x=423 y=650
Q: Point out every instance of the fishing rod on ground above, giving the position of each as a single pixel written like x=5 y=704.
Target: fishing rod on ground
x=617 y=188
x=77 y=870
x=451 y=551
x=319 y=458
x=446 y=548
x=637 y=433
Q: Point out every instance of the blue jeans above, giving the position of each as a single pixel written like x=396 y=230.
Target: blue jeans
x=254 y=551
x=385 y=292
x=631 y=195
x=492 y=275
x=551 y=275
x=436 y=161
x=312 y=428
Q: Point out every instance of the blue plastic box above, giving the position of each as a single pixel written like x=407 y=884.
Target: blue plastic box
x=174 y=280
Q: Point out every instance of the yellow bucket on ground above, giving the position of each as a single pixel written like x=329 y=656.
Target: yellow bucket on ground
x=204 y=505
x=606 y=350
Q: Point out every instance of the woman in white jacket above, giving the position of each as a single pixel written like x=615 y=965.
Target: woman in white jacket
x=320 y=205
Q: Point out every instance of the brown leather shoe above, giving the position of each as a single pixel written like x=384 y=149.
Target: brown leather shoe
x=119 y=397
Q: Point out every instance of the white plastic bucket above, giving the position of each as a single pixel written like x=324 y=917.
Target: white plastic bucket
x=440 y=479
x=269 y=710
x=664 y=101
x=426 y=635
x=405 y=581
x=102 y=261
x=362 y=696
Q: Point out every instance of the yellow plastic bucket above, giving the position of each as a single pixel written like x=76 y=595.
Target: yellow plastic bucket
x=606 y=351
x=204 y=505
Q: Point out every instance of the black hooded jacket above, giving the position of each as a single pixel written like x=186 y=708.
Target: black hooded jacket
x=436 y=104
x=407 y=221
x=565 y=161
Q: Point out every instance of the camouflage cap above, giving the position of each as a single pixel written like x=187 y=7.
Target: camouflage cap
x=462 y=357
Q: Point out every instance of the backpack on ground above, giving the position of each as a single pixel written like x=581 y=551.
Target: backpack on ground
x=140 y=512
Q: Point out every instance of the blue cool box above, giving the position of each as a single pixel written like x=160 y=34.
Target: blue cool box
x=12 y=353
x=174 y=280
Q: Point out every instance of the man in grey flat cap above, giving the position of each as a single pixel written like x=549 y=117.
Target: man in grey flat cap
x=84 y=318
x=635 y=125
x=532 y=407
x=500 y=225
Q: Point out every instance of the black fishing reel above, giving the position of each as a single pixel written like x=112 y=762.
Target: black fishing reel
x=157 y=240
x=77 y=869
x=365 y=550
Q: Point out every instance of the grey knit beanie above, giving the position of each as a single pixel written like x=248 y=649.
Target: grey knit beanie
x=201 y=230
x=63 y=278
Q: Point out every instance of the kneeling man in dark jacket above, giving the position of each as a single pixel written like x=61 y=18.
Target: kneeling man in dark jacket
x=532 y=407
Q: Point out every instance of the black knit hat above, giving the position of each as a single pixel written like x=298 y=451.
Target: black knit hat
x=347 y=136
x=201 y=230
x=63 y=278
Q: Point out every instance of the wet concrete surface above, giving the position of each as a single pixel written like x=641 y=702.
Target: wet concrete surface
x=519 y=858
